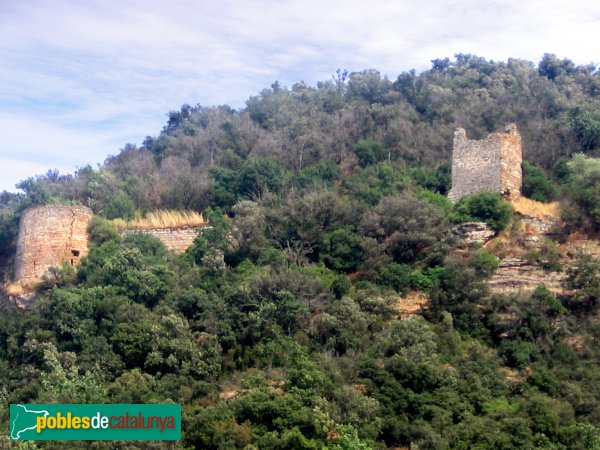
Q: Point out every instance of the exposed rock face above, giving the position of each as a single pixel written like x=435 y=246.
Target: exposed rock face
x=23 y=301
x=492 y=164
x=536 y=226
x=474 y=232
x=50 y=236
x=175 y=239
x=518 y=276
x=586 y=246
x=536 y=230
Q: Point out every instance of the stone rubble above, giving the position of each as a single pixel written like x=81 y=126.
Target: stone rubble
x=474 y=232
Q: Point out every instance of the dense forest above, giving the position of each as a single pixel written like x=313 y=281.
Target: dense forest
x=278 y=328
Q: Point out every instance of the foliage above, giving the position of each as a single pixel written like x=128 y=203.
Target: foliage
x=341 y=250
x=484 y=263
x=583 y=277
x=36 y=192
x=120 y=206
x=536 y=184
x=101 y=230
x=370 y=152
x=436 y=180
x=547 y=256
x=584 y=191
x=585 y=125
x=487 y=207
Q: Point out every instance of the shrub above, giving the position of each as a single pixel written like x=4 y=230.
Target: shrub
x=321 y=174
x=120 y=205
x=370 y=152
x=341 y=250
x=547 y=256
x=484 y=263
x=435 y=198
x=584 y=191
x=536 y=184
x=101 y=230
x=396 y=276
x=487 y=207
x=436 y=180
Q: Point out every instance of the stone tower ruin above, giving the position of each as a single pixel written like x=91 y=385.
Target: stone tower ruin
x=491 y=164
x=48 y=237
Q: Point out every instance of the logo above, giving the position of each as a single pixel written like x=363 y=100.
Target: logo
x=95 y=422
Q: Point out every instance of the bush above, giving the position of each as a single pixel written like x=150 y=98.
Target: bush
x=436 y=180
x=583 y=279
x=101 y=230
x=120 y=205
x=584 y=191
x=370 y=152
x=484 y=263
x=536 y=184
x=435 y=198
x=547 y=256
x=341 y=250
x=518 y=353
x=396 y=276
x=321 y=174
x=486 y=207
x=544 y=299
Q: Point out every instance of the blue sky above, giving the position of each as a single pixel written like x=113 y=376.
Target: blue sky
x=80 y=79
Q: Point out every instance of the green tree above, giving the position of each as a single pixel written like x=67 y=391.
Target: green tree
x=36 y=191
x=341 y=250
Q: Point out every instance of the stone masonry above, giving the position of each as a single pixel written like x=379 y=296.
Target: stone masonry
x=175 y=239
x=491 y=164
x=50 y=236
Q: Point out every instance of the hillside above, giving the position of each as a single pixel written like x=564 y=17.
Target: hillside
x=332 y=302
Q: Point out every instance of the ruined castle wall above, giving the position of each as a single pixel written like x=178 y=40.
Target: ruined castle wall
x=475 y=166
x=491 y=164
x=49 y=236
x=175 y=239
x=511 y=156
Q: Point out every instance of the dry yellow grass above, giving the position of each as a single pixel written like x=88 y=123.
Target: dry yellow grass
x=14 y=289
x=536 y=209
x=19 y=288
x=162 y=219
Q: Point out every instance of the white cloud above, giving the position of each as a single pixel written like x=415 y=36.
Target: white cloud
x=80 y=79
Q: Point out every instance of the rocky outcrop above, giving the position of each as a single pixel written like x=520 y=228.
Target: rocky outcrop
x=474 y=232
x=585 y=246
x=516 y=275
x=537 y=226
x=14 y=295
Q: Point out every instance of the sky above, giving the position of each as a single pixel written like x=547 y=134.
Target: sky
x=80 y=79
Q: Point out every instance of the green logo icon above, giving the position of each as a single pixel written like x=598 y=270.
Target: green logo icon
x=24 y=420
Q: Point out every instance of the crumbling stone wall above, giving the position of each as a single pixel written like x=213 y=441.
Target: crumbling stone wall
x=49 y=236
x=54 y=234
x=491 y=164
x=175 y=239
